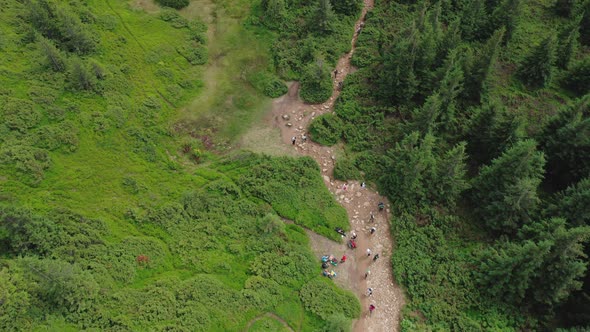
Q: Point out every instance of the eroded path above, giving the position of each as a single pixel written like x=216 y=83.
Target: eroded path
x=359 y=203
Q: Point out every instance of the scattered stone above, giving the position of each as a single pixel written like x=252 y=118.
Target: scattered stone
x=312 y=114
x=326 y=178
x=325 y=170
x=358 y=194
x=289 y=124
x=300 y=128
x=341 y=196
x=286 y=117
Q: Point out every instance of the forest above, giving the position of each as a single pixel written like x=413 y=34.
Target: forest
x=126 y=203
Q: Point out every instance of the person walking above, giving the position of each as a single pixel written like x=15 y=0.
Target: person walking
x=363 y=185
x=375 y=257
x=372 y=217
x=353 y=235
x=369 y=291
x=293 y=140
x=335 y=73
x=368 y=252
x=373 y=230
x=343 y=259
x=367 y=274
x=371 y=309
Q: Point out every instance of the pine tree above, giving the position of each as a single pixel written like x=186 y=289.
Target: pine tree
x=565 y=263
x=397 y=81
x=478 y=71
x=585 y=24
x=568 y=44
x=577 y=78
x=507 y=272
x=450 y=39
x=324 y=15
x=425 y=118
x=566 y=142
x=409 y=170
x=507 y=14
x=55 y=58
x=504 y=193
x=449 y=89
x=573 y=204
x=451 y=180
x=474 y=21
x=491 y=131
x=536 y=70
x=565 y=8
x=80 y=76
x=347 y=7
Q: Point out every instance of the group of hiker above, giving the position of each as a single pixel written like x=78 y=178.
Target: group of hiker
x=331 y=260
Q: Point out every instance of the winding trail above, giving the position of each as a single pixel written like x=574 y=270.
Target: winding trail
x=359 y=202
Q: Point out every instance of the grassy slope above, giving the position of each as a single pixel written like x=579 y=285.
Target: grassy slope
x=118 y=178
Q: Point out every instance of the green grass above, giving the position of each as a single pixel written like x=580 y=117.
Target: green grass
x=205 y=230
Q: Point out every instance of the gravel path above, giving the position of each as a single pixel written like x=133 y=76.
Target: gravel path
x=292 y=117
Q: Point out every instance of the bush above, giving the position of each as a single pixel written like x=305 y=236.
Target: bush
x=326 y=129
x=267 y=83
x=345 y=170
x=176 y=4
x=323 y=298
x=195 y=54
x=316 y=83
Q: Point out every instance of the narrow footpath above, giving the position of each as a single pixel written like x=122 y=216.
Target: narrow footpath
x=292 y=117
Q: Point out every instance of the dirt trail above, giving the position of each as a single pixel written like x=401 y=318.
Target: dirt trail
x=291 y=116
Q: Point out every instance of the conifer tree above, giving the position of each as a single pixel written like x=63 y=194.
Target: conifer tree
x=568 y=43
x=397 y=81
x=451 y=180
x=478 y=71
x=450 y=39
x=425 y=118
x=507 y=14
x=504 y=193
x=566 y=142
x=324 y=15
x=507 y=272
x=274 y=12
x=565 y=8
x=491 y=131
x=449 y=89
x=563 y=265
x=585 y=23
x=577 y=78
x=536 y=70
x=55 y=59
x=346 y=7
x=80 y=76
x=474 y=21
x=410 y=168
x=573 y=204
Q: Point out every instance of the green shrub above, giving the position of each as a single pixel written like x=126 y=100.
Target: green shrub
x=20 y=115
x=176 y=4
x=195 y=54
x=323 y=298
x=316 y=83
x=267 y=83
x=326 y=129
x=345 y=170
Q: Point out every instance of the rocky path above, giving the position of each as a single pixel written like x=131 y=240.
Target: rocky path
x=292 y=117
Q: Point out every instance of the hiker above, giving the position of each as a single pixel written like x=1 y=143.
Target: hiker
x=367 y=274
x=340 y=86
x=371 y=309
x=352 y=244
x=353 y=235
x=368 y=252
x=375 y=257
x=325 y=265
x=293 y=140
x=304 y=138
x=343 y=259
x=373 y=230
x=381 y=206
x=369 y=291
x=344 y=186
x=372 y=217
x=335 y=73
x=340 y=231
x=363 y=185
